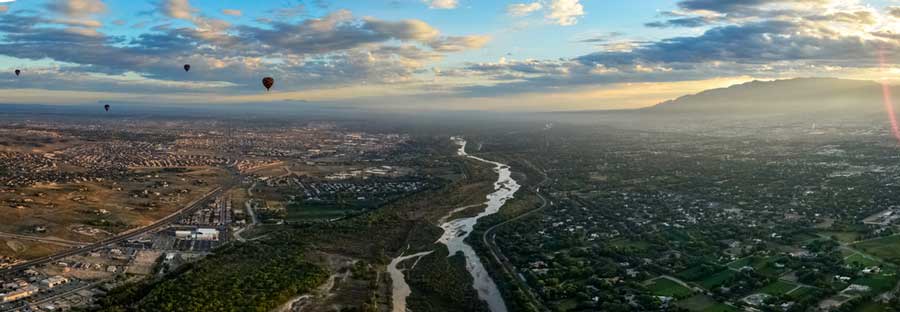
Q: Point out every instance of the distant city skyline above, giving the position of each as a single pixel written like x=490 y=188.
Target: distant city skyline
x=536 y=55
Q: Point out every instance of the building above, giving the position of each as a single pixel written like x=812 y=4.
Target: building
x=54 y=281
x=207 y=234
x=198 y=234
x=19 y=294
x=180 y=234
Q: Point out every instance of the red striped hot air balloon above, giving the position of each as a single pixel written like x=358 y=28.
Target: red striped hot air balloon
x=268 y=82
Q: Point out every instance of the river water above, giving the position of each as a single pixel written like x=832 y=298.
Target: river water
x=398 y=281
x=455 y=233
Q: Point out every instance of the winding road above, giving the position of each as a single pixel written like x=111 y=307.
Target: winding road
x=488 y=239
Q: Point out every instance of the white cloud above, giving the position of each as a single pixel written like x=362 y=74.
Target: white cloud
x=565 y=12
x=442 y=4
x=523 y=9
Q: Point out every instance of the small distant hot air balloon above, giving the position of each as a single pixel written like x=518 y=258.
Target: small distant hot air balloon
x=18 y=72
x=187 y=67
x=268 y=82
x=106 y=107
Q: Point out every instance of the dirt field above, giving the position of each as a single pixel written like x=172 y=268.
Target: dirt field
x=89 y=211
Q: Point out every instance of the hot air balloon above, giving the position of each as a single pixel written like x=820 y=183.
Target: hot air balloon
x=187 y=67
x=268 y=82
x=18 y=72
x=106 y=107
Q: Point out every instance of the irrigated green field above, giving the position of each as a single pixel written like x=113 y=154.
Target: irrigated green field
x=887 y=248
x=666 y=287
x=717 y=279
x=703 y=303
x=778 y=288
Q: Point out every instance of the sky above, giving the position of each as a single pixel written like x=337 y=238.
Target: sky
x=532 y=55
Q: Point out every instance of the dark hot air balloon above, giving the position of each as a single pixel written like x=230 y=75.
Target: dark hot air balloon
x=187 y=67
x=18 y=72
x=268 y=82
x=106 y=107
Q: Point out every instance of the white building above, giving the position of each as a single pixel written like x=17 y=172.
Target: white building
x=207 y=234
x=183 y=234
x=198 y=234
x=54 y=281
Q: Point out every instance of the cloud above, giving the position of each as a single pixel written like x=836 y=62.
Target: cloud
x=232 y=12
x=602 y=38
x=565 y=12
x=694 y=21
x=442 y=4
x=459 y=43
x=178 y=9
x=76 y=16
x=756 y=38
x=77 y=8
x=334 y=50
x=403 y=30
x=894 y=11
x=523 y=9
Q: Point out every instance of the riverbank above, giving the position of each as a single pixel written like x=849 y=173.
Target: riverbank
x=457 y=230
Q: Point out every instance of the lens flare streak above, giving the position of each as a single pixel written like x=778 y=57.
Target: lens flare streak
x=888 y=102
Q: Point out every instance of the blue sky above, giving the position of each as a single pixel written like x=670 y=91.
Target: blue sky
x=432 y=54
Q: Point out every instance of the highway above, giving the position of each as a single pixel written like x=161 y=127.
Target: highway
x=188 y=209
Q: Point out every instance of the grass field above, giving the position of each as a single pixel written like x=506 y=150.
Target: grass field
x=887 y=248
x=737 y=264
x=717 y=279
x=756 y=263
x=692 y=274
x=778 y=288
x=878 y=282
x=801 y=293
x=871 y=307
x=703 y=303
x=860 y=260
x=802 y=237
x=842 y=236
x=668 y=288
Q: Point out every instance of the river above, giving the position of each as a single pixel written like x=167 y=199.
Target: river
x=455 y=233
x=398 y=281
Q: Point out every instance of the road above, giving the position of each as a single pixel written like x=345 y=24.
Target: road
x=189 y=208
x=488 y=239
x=48 y=240
x=60 y=295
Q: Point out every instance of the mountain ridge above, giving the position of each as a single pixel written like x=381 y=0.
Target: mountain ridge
x=787 y=96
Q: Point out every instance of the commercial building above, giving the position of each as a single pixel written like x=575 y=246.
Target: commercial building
x=19 y=294
x=54 y=281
